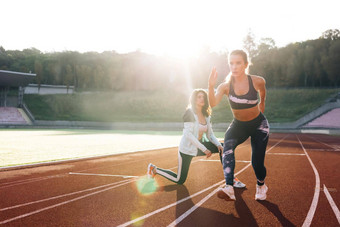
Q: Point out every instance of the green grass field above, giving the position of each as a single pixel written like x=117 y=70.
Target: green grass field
x=282 y=105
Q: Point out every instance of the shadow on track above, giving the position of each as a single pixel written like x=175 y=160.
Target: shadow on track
x=276 y=211
x=208 y=217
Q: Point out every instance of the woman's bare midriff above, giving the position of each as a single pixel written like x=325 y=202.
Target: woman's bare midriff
x=246 y=114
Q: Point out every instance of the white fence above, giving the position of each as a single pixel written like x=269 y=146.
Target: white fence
x=48 y=89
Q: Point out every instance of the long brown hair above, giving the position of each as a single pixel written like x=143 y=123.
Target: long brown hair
x=242 y=53
x=206 y=109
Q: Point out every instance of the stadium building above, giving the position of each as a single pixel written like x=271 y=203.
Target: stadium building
x=13 y=110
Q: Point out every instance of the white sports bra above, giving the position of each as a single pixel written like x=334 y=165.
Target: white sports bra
x=202 y=129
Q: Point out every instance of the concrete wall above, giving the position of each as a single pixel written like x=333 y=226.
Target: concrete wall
x=48 y=89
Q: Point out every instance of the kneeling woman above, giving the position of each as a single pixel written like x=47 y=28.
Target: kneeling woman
x=198 y=140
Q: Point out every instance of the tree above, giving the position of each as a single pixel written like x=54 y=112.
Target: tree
x=265 y=44
x=331 y=64
x=249 y=44
x=331 y=34
x=4 y=61
x=308 y=64
x=69 y=76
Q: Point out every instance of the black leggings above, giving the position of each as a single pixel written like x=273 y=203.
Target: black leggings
x=237 y=133
x=184 y=161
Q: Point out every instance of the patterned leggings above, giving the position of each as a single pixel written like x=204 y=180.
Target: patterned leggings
x=237 y=133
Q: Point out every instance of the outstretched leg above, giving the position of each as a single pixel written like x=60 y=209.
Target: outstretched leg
x=184 y=161
x=212 y=147
x=233 y=137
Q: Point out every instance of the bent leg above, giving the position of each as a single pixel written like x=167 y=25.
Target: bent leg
x=182 y=171
x=233 y=137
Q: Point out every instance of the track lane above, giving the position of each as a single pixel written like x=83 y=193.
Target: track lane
x=122 y=204
x=327 y=163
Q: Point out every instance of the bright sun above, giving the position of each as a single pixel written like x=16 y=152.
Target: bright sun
x=176 y=28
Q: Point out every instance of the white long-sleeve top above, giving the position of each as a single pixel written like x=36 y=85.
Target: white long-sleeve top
x=189 y=142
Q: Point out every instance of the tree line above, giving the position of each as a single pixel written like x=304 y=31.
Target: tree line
x=313 y=63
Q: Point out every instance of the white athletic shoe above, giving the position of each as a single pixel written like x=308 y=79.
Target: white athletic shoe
x=238 y=183
x=151 y=170
x=226 y=193
x=261 y=192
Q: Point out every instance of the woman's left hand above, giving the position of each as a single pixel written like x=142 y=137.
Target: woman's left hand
x=220 y=149
x=208 y=153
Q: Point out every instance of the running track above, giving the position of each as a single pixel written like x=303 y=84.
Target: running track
x=303 y=180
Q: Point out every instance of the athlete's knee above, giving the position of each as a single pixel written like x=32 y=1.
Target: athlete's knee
x=181 y=181
x=264 y=128
x=183 y=177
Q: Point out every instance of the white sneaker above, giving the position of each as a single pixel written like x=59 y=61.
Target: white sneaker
x=226 y=193
x=151 y=170
x=261 y=192
x=238 y=183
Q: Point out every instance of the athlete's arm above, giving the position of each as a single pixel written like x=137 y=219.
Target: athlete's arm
x=261 y=88
x=215 y=98
x=213 y=139
x=211 y=136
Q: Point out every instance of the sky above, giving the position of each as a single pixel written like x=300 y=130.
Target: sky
x=178 y=28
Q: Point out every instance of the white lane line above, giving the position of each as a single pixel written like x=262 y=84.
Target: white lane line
x=319 y=149
x=61 y=196
x=102 y=175
x=178 y=202
x=335 y=147
x=267 y=151
x=168 y=206
x=311 y=212
x=192 y=209
x=45 y=178
x=321 y=142
x=15 y=183
x=81 y=197
x=186 y=198
x=63 y=203
x=332 y=203
x=188 y=212
x=69 y=194
x=288 y=154
x=215 y=160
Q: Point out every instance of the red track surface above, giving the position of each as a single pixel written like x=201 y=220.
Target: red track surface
x=51 y=196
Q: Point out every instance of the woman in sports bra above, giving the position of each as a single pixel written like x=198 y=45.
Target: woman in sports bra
x=243 y=91
x=198 y=140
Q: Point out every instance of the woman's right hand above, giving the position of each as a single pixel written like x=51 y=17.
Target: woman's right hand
x=208 y=153
x=213 y=77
